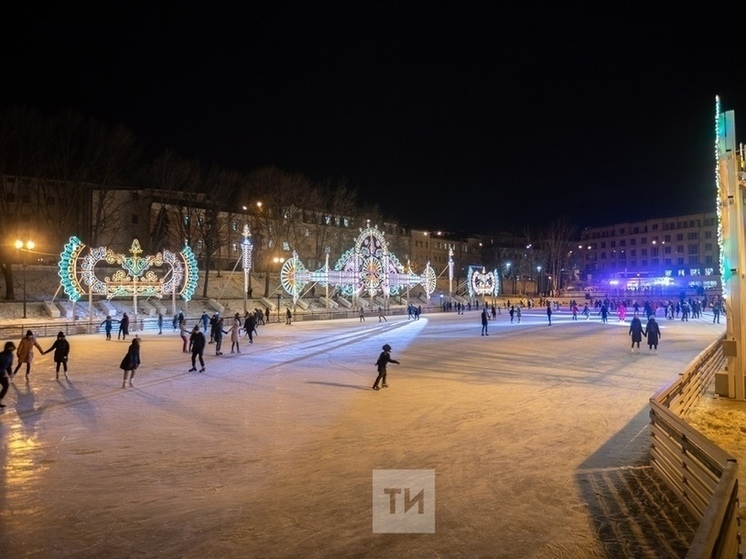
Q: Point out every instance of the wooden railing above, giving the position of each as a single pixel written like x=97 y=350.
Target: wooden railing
x=702 y=475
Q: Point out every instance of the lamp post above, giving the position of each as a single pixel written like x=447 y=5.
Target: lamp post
x=538 y=280
x=29 y=245
x=278 y=260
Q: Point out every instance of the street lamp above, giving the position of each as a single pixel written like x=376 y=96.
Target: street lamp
x=538 y=279
x=278 y=260
x=28 y=246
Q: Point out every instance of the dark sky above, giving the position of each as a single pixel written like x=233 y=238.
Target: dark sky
x=472 y=118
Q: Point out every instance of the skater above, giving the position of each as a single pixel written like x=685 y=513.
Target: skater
x=511 y=312
x=549 y=312
x=249 y=326
x=184 y=333
x=381 y=315
x=636 y=331
x=205 y=320
x=197 y=347
x=485 y=320
x=107 y=323
x=362 y=314
x=213 y=327
x=26 y=352
x=131 y=362
x=6 y=367
x=160 y=323
x=288 y=316
x=217 y=335
x=518 y=313
x=235 y=332
x=175 y=321
x=61 y=349
x=653 y=333
x=124 y=327
x=383 y=360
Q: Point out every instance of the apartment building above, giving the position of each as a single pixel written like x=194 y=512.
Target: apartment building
x=663 y=256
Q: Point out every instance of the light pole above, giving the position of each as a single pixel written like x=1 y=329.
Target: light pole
x=28 y=246
x=278 y=260
x=538 y=280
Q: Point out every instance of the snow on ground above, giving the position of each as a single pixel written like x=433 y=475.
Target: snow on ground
x=537 y=437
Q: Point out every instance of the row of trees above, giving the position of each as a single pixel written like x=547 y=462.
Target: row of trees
x=65 y=174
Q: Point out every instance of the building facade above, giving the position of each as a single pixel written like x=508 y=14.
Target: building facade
x=670 y=255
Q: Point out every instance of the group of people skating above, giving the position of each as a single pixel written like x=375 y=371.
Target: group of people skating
x=25 y=353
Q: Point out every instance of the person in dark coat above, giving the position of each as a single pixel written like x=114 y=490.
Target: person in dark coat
x=249 y=326
x=131 y=362
x=61 y=349
x=197 y=344
x=636 y=331
x=653 y=332
x=383 y=360
x=485 y=318
x=6 y=369
x=217 y=335
x=124 y=327
x=549 y=312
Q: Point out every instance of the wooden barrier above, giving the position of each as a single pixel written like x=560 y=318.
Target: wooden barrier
x=702 y=475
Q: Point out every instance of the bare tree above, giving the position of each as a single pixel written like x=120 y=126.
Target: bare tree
x=219 y=186
x=557 y=241
x=278 y=220
x=21 y=138
x=174 y=184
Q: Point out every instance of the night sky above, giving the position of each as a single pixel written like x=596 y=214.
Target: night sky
x=468 y=118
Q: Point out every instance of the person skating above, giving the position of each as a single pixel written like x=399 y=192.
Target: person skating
x=124 y=327
x=197 y=344
x=217 y=335
x=485 y=320
x=235 y=333
x=383 y=360
x=288 y=316
x=160 y=323
x=107 y=323
x=362 y=314
x=61 y=349
x=249 y=326
x=184 y=333
x=131 y=361
x=26 y=352
x=636 y=331
x=653 y=333
x=381 y=315
x=549 y=312
x=6 y=367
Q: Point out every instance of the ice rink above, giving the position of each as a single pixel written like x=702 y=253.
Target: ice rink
x=537 y=436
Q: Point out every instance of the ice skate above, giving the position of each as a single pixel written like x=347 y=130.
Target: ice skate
x=202 y=370
x=131 y=385
x=192 y=369
x=385 y=386
x=375 y=388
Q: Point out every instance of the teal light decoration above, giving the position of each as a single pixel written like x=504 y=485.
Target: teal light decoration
x=78 y=273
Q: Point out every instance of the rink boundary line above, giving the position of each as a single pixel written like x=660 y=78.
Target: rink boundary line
x=613 y=469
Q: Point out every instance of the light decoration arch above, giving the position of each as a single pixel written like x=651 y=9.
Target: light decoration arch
x=481 y=282
x=368 y=268
x=138 y=275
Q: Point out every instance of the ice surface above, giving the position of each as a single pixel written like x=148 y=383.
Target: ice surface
x=537 y=435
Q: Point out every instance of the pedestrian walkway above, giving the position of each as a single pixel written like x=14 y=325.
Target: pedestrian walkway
x=537 y=437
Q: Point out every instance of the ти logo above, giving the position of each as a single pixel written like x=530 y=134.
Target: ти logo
x=403 y=501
